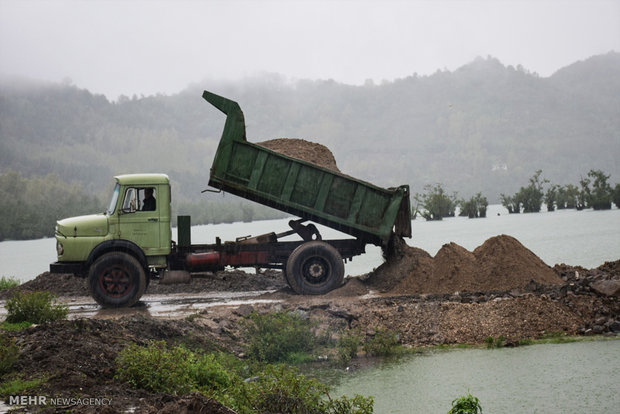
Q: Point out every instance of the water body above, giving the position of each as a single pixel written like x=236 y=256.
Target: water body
x=580 y=377
x=587 y=238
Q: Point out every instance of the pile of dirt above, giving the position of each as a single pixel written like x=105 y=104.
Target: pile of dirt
x=500 y=264
x=78 y=358
x=303 y=150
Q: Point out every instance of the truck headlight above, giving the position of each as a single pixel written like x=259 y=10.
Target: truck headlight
x=59 y=248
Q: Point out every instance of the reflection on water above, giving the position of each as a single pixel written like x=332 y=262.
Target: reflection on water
x=578 y=377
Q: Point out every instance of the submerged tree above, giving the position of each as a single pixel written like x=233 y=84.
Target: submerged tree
x=436 y=203
x=511 y=204
x=567 y=196
x=474 y=207
x=599 y=196
x=616 y=196
x=529 y=198
x=551 y=197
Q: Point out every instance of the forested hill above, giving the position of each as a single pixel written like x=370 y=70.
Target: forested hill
x=484 y=127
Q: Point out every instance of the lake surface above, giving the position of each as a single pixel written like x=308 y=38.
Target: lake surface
x=581 y=377
x=587 y=238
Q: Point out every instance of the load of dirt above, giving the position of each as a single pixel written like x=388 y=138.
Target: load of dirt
x=500 y=264
x=303 y=150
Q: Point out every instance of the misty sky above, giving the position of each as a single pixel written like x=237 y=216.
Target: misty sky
x=147 y=47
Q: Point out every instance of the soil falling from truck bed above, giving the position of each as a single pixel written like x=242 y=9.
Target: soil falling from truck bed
x=303 y=150
x=501 y=263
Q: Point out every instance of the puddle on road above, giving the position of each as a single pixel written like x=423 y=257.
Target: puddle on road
x=171 y=306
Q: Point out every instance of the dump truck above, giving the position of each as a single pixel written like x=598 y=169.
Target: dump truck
x=121 y=250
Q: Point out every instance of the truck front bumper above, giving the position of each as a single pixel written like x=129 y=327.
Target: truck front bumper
x=76 y=268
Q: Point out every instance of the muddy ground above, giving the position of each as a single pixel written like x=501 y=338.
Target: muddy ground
x=499 y=289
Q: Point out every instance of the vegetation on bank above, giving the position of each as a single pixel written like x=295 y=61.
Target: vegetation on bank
x=254 y=388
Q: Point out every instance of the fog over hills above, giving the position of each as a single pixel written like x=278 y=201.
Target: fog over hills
x=484 y=127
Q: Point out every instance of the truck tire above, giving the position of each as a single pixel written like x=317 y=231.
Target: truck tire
x=116 y=280
x=314 y=268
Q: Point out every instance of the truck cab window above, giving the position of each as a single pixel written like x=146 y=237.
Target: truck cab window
x=130 y=203
x=139 y=199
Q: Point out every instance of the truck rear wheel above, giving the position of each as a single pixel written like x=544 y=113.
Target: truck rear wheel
x=117 y=280
x=314 y=268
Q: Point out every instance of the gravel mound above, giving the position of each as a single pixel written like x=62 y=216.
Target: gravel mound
x=502 y=263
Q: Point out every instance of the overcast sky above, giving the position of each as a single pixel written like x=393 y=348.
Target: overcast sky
x=147 y=47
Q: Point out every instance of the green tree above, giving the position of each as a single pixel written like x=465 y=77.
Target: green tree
x=567 y=196
x=531 y=197
x=436 y=203
x=616 y=196
x=551 y=197
x=475 y=207
x=599 y=197
x=511 y=204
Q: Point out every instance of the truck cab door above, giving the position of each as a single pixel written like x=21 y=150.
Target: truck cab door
x=139 y=219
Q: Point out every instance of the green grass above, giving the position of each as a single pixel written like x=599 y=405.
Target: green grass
x=15 y=326
x=18 y=386
x=8 y=283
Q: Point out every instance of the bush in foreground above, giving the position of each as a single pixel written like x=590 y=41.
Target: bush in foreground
x=9 y=353
x=275 y=389
x=34 y=307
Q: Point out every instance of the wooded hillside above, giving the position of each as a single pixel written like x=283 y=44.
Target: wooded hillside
x=483 y=128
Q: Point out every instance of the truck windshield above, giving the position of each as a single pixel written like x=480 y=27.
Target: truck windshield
x=117 y=191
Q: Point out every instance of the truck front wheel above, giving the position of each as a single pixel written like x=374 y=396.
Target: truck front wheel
x=117 y=280
x=315 y=268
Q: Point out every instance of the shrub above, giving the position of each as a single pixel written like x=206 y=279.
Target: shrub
x=157 y=368
x=274 y=389
x=348 y=345
x=9 y=353
x=466 y=405
x=210 y=374
x=383 y=343
x=34 y=307
x=277 y=337
x=8 y=283
x=495 y=342
x=281 y=389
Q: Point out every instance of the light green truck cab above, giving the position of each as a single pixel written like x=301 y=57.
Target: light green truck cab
x=132 y=233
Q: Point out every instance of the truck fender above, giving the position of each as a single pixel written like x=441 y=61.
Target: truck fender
x=117 y=246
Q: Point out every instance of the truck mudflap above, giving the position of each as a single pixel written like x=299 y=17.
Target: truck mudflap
x=77 y=268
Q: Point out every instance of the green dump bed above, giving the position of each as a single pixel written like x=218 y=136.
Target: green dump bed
x=338 y=201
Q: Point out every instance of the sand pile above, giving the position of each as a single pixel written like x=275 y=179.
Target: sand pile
x=501 y=263
x=303 y=150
